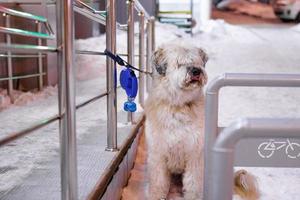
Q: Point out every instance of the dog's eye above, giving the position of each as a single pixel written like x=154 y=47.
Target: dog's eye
x=161 y=69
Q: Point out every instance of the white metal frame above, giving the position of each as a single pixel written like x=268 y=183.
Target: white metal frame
x=214 y=139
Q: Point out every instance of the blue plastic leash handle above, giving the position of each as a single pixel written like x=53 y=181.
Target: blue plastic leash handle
x=129 y=82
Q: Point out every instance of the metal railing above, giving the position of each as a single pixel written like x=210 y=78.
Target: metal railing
x=143 y=16
x=15 y=31
x=224 y=148
x=22 y=14
x=8 y=47
x=93 y=14
x=215 y=138
x=89 y=12
x=66 y=90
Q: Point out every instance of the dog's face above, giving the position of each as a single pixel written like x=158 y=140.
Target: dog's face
x=182 y=67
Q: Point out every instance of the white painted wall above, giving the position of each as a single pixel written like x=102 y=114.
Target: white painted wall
x=202 y=12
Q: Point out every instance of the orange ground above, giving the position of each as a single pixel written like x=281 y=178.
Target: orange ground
x=137 y=183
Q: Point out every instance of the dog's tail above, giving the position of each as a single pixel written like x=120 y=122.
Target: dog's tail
x=245 y=185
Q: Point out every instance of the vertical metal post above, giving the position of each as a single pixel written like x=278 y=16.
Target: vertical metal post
x=65 y=37
x=142 y=59
x=130 y=43
x=40 y=58
x=110 y=77
x=192 y=17
x=153 y=33
x=210 y=132
x=222 y=176
x=149 y=49
x=9 y=59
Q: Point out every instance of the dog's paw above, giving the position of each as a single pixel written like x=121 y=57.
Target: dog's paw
x=245 y=185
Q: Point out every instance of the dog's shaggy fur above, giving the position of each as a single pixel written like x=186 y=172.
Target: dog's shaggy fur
x=174 y=121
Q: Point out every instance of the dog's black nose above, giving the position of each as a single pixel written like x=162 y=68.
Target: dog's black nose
x=195 y=71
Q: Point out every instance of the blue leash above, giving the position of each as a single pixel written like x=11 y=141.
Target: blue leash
x=128 y=80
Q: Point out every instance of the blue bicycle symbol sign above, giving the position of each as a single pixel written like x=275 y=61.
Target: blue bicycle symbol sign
x=268 y=148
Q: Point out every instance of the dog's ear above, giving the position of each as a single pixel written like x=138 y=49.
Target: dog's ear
x=203 y=56
x=159 y=62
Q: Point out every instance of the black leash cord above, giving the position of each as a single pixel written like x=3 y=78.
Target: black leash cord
x=122 y=62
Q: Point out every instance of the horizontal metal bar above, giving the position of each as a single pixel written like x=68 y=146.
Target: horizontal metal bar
x=141 y=9
x=22 y=48
x=21 y=77
x=257 y=127
x=122 y=27
x=91 y=100
x=125 y=54
x=24 y=132
x=37 y=126
x=100 y=53
x=15 y=31
x=255 y=80
x=22 y=14
x=20 y=56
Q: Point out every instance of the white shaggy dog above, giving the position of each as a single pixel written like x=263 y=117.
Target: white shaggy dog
x=174 y=123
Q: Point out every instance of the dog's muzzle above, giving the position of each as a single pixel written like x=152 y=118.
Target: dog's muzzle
x=194 y=74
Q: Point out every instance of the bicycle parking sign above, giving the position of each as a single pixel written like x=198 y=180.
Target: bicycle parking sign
x=268 y=148
x=260 y=152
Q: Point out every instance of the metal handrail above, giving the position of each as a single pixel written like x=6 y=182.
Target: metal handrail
x=141 y=9
x=22 y=14
x=22 y=77
x=9 y=47
x=84 y=5
x=91 y=100
x=130 y=43
x=25 y=15
x=13 y=136
x=95 y=15
x=98 y=53
x=143 y=15
x=21 y=32
x=21 y=56
x=90 y=14
x=111 y=34
x=142 y=58
x=22 y=48
x=35 y=48
x=212 y=106
x=223 y=150
x=66 y=95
